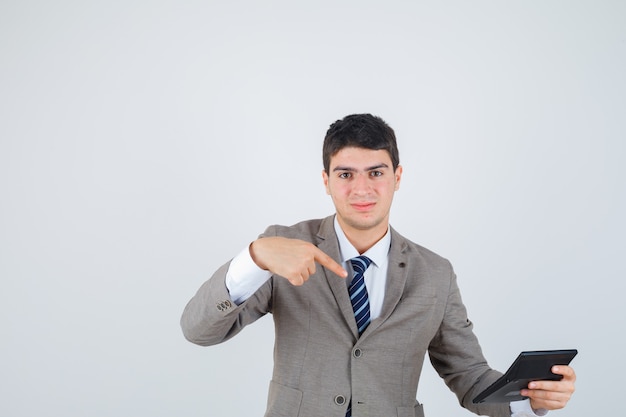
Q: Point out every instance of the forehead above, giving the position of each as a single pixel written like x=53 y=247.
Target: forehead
x=359 y=158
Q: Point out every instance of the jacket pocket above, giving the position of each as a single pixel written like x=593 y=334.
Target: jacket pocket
x=417 y=411
x=283 y=401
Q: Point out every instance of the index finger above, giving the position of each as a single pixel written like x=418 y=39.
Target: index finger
x=325 y=260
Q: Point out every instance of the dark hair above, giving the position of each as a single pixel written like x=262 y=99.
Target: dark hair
x=360 y=131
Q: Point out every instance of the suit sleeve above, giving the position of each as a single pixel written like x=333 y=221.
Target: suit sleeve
x=212 y=317
x=457 y=356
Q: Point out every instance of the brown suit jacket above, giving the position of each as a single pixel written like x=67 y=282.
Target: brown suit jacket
x=320 y=363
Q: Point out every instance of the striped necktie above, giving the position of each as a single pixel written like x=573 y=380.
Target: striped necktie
x=359 y=299
x=358 y=292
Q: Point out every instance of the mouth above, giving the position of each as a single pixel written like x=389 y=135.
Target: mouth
x=363 y=206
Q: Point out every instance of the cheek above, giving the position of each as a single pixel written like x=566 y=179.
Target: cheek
x=339 y=194
x=387 y=191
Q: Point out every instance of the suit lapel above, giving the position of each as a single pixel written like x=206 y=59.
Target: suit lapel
x=329 y=245
x=397 y=272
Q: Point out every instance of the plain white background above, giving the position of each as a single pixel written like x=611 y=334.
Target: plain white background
x=144 y=143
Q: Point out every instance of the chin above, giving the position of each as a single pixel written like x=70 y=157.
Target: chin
x=364 y=224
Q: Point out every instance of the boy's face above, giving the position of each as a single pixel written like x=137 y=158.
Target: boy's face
x=361 y=183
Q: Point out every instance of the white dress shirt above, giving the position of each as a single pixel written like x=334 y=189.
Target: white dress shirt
x=376 y=275
x=244 y=278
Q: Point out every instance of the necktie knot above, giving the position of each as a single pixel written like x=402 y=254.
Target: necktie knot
x=360 y=264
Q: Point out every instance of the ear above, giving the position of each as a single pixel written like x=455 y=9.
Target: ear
x=325 y=178
x=398 y=175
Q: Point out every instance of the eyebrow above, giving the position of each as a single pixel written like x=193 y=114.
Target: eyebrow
x=350 y=169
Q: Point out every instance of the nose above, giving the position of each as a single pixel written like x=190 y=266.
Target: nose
x=361 y=184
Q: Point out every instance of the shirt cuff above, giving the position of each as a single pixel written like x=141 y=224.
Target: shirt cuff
x=523 y=409
x=244 y=277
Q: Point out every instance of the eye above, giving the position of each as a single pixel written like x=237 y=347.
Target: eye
x=376 y=173
x=345 y=175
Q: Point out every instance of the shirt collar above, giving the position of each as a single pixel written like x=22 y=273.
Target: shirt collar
x=377 y=253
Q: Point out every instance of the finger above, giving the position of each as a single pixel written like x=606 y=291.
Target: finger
x=296 y=280
x=537 y=390
x=328 y=262
x=304 y=275
x=541 y=404
x=547 y=399
x=550 y=395
x=564 y=386
x=567 y=372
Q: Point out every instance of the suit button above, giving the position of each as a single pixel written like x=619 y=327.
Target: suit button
x=340 y=400
x=224 y=305
x=357 y=353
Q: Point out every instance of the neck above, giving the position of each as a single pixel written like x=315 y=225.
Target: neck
x=364 y=239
